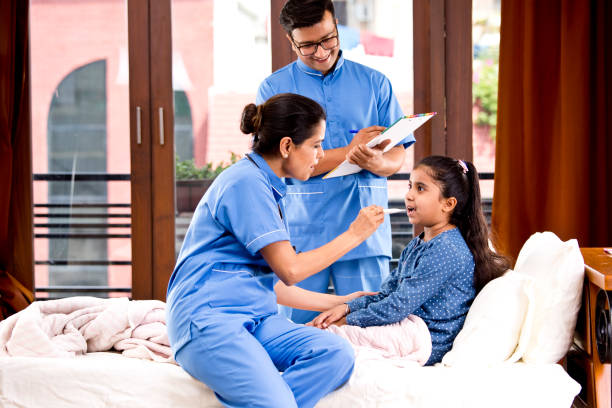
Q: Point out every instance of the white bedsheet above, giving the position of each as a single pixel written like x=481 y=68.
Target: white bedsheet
x=111 y=380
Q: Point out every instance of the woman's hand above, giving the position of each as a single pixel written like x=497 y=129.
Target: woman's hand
x=368 y=219
x=355 y=295
x=330 y=316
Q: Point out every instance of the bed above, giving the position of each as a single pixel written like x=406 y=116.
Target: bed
x=109 y=379
x=518 y=328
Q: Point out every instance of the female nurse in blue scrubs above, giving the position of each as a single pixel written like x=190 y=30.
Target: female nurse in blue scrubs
x=222 y=316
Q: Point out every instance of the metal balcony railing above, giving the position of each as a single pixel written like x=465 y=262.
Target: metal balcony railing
x=85 y=221
x=92 y=220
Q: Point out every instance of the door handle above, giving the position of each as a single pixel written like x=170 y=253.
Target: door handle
x=138 y=126
x=161 y=126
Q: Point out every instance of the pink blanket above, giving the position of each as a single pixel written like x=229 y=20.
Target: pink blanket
x=76 y=325
x=406 y=343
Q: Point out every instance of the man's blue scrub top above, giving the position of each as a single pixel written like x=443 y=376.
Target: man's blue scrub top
x=219 y=269
x=354 y=96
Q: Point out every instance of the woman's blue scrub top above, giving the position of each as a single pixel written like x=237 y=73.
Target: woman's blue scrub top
x=219 y=270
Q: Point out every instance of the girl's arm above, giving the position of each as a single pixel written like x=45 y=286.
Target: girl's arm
x=337 y=315
x=435 y=268
x=299 y=298
x=385 y=289
x=292 y=268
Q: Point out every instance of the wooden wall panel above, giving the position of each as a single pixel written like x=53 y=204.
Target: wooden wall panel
x=459 y=79
x=429 y=76
x=140 y=151
x=162 y=145
x=443 y=76
x=282 y=54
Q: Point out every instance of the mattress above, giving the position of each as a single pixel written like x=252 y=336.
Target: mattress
x=112 y=380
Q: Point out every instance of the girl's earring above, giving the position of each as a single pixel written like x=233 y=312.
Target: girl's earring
x=285 y=156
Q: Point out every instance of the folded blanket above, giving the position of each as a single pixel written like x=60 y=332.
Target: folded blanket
x=406 y=343
x=76 y=325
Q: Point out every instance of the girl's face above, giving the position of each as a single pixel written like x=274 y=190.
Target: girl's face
x=302 y=159
x=424 y=202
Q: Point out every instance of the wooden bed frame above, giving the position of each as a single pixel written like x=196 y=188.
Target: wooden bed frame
x=583 y=360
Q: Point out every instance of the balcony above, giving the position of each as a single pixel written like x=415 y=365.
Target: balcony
x=83 y=244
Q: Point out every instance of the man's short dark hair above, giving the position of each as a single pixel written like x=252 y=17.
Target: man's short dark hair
x=304 y=13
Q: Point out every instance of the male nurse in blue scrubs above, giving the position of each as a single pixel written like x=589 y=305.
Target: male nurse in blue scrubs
x=354 y=97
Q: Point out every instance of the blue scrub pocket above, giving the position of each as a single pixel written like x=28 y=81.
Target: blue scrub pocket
x=302 y=203
x=373 y=191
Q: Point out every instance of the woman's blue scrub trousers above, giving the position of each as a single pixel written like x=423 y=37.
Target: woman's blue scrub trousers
x=240 y=357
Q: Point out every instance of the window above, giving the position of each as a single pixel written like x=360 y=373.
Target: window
x=77 y=144
x=486 y=20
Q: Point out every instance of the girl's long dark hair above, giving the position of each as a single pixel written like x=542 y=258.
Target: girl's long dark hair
x=463 y=183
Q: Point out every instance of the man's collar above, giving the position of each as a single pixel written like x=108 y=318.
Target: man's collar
x=310 y=71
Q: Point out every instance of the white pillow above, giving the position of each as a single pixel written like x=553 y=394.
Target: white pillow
x=493 y=324
x=557 y=269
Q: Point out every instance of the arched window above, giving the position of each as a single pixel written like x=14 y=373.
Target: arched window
x=183 y=126
x=76 y=139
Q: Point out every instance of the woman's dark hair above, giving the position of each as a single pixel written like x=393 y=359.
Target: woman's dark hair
x=304 y=13
x=282 y=115
x=459 y=179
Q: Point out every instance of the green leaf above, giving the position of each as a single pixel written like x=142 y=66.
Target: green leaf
x=187 y=170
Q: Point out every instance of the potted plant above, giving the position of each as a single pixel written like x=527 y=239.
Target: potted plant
x=192 y=181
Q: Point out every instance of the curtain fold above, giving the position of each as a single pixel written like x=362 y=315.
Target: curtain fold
x=554 y=143
x=7 y=28
x=14 y=122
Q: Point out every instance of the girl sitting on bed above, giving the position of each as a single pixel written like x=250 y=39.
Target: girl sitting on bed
x=441 y=270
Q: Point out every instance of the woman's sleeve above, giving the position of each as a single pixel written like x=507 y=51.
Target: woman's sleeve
x=435 y=266
x=247 y=208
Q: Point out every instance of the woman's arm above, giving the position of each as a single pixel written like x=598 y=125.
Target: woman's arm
x=292 y=268
x=299 y=298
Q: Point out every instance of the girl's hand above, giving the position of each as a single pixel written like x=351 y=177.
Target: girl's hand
x=368 y=219
x=330 y=316
x=355 y=295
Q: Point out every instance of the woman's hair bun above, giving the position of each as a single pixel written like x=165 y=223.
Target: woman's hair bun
x=250 y=119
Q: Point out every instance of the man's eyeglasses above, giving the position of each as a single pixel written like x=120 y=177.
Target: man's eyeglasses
x=311 y=48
